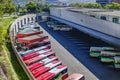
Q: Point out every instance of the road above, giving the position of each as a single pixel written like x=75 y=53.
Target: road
x=78 y=44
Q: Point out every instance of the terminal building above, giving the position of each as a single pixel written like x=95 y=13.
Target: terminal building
x=100 y=23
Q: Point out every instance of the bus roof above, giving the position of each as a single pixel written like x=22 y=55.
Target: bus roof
x=75 y=76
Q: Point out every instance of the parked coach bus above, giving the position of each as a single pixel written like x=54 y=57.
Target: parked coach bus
x=76 y=76
x=54 y=73
x=34 y=54
x=117 y=62
x=37 y=72
x=38 y=58
x=38 y=44
x=31 y=39
x=96 y=51
x=42 y=62
x=34 y=50
x=107 y=56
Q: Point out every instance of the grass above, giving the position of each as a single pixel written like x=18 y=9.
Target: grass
x=59 y=77
x=14 y=70
x=18 y=69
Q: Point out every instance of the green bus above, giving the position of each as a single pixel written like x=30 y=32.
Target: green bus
x=96 y=51
x=108 y=56
x=117 y=62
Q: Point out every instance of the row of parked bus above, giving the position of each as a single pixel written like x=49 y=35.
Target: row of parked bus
x=58 y=26
x=35 y=50
x=107 y=55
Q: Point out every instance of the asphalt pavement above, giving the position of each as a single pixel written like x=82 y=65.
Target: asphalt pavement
x=78 y=44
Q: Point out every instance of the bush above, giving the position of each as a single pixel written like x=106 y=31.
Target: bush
x=87 y=5
x=112 y=6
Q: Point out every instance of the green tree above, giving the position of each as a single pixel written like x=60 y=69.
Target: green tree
x=87 y=5
x=1 y=37
x=92 y=5
x=6 y=7
x=9 y=8
x=4 y=1
x=112 y=6
x=46 y=7
x=76 y=5
x=107 y=6
x=39 y=7
x=1 y=9
x=31 y=7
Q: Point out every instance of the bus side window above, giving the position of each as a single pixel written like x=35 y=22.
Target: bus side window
x=83 y=78
x=64 y=71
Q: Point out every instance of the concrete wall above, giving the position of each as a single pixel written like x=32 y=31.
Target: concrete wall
x=107 y=27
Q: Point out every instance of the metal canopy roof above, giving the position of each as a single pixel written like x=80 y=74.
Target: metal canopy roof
x=96 y=11
x=100 y=35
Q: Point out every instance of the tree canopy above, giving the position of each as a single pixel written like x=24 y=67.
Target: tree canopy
x=76 y=5
x=9 y=8
x=112 y=6
x=31 y=7
x=1 y=9
x=87 y=5
x=92 y=5
x=6 y=7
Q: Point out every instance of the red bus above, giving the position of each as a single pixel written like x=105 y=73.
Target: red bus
x=28 y=32
x=34 y=54
x=37 y=72
x=34 y=50
x=38 y=58
x=76 y=76
x=26 y=41
x=54 y=73
x=38 y=44
x=42 y=62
